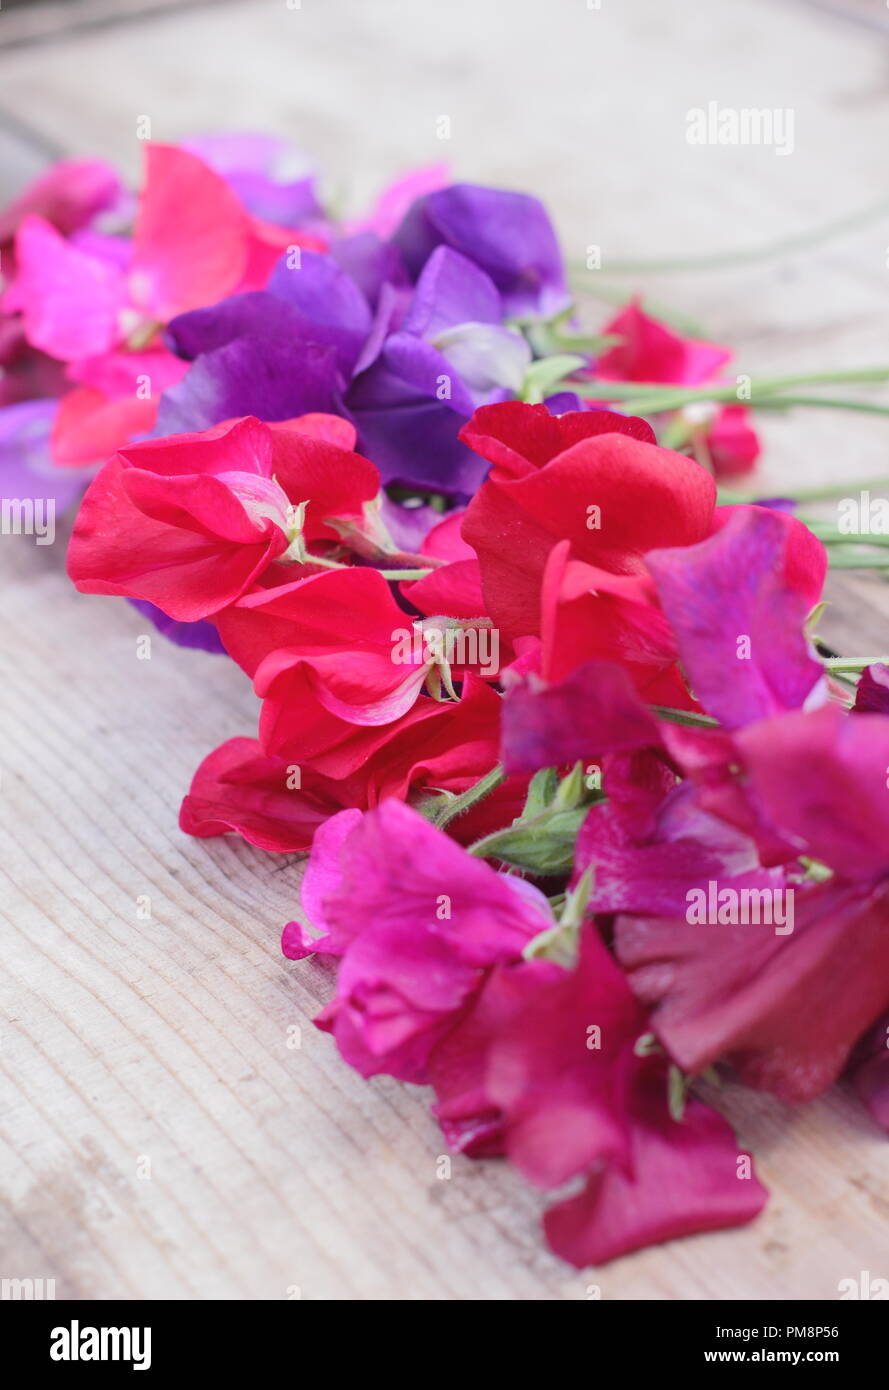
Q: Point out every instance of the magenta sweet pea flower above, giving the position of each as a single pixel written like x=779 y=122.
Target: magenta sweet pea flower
x=872 y=693
x=737 y=603
x=816 y=782
x=544 y=1069
x=417 y=923
x=189 y=248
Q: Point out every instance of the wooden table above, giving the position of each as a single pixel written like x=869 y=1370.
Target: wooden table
x=161 y=1135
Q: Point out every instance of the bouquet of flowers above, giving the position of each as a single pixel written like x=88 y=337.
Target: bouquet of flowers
x=592 y=816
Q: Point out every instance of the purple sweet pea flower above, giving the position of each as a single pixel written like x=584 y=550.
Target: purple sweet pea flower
x=407 y=368
x=294 y=348
x=508 y=235
x=252 y=375
x=330 y=307
x=372 y=264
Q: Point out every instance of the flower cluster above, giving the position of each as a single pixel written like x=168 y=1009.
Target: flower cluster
x=590 y=819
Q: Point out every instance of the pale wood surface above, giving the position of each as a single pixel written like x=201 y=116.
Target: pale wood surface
x=167 y=1038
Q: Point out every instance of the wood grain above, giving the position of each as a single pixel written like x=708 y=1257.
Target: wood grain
x=165 y=1037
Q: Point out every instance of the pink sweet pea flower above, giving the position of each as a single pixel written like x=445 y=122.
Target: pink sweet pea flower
x=417 y=922
x=116 y=402
x=69 y=196
x=193 y=244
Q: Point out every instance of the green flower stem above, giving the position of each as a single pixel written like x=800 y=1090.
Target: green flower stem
x=394 y=575
x=651 y=398
x=825 y=402
x=841 y=663
x=482 y=788
x=684 y=716
x=811 y=494
x=857 y=562
x=829 y=535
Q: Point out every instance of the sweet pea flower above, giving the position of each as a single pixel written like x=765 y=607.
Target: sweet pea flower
x=872 y=692
x=190 y=523
x=651 y=352
x=593 y=480
x=271 y=179
x=339 y=666
x=408 y=367
x=88 y=297
x=415 y=929
x=190 y=247
x=748 y=994
x=544 y=1069
x=508 y=235
x=278 y=803
x=731 y=607
x=71 y=195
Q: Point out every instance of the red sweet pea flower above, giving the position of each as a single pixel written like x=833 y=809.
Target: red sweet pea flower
x=191 y=522
x=338 y=664
x=652 y=352
x=273 y=804
x=562 y=526
x=591 y=614
x=731 y=441
x=278 y=804
x=732 y=607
